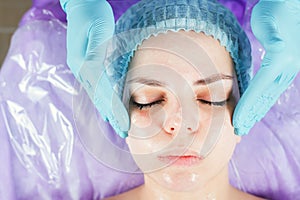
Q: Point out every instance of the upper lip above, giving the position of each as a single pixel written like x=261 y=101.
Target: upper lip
x=178 y=152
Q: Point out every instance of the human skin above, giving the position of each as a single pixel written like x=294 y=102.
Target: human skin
x=181 y=117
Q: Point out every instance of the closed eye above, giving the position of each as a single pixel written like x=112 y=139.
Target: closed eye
x=213 y=103
x=142 y=106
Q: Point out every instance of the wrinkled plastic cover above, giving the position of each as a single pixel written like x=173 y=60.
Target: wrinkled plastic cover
x=43 y=108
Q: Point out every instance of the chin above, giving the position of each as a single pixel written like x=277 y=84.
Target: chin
x=179 y=180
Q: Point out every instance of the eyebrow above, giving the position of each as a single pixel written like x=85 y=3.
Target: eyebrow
x=211 y=79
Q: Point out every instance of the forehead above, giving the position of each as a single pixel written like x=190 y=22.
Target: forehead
x=188 y=53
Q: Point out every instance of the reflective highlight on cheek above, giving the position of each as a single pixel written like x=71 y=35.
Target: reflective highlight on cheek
x=147 y=123
x=141 y=119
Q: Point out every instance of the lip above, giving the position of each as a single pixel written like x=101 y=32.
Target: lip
x=181 y=157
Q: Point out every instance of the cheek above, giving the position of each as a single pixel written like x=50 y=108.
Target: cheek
x=138 y=146
x=225 y=146
x=145 y=134
x=229 y=139
x=228 y=113
x=221 y=123
x=140 y=119
x=136 y=140
x=146 y=145
x=147 y=123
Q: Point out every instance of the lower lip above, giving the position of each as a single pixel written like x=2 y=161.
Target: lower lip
x=181 y=160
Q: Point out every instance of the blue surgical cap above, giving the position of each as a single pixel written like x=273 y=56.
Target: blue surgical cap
x=149 y=18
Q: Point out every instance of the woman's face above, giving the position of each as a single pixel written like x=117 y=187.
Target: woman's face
x=181 y=90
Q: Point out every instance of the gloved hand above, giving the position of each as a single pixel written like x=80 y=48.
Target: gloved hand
x=90 y=24
x=276 y=25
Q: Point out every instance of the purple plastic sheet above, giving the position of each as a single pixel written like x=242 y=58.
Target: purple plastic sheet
x=42 y=157
x=43 y=108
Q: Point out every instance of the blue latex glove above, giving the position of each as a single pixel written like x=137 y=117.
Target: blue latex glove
x=276 y=24
x=90 y=24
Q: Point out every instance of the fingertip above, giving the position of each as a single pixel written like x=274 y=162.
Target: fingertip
x=116 y=127
x=240 y=131
x=123 y=122
x=106 y=119
x=120 y=127
x=123 y=134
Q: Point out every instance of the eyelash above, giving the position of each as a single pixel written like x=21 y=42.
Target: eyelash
x=149 y=105
x=216 y=103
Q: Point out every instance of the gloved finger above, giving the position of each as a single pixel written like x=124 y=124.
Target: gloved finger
x=75 y=50
x=100 y=31
x=95 y=81
x=246 y=112
x=264 y=27
x=273 y=92
x=266 y=101
x=89 y=74
x=110 y=105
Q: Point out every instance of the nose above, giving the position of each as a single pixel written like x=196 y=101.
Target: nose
x=183 y=118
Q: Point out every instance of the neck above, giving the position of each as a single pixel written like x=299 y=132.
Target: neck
x=216 y=188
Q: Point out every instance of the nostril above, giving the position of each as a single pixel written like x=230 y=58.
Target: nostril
x=188 y=128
